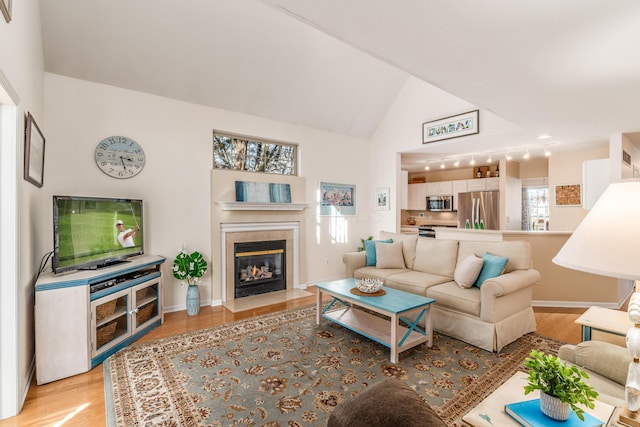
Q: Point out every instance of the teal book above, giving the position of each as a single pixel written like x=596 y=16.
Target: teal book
x=528 y=414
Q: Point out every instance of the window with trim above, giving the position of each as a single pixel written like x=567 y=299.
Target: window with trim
x=241 y=153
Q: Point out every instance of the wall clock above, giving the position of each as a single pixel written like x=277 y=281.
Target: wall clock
x=119 y=157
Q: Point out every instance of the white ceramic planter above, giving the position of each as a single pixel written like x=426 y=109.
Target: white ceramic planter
x=554 y=408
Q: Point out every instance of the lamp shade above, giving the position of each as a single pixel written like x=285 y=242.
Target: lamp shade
x=607 y=241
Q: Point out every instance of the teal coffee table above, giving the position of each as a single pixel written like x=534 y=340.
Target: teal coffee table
x=395 y=305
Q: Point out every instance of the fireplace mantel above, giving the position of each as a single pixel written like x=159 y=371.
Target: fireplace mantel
x=247 y=206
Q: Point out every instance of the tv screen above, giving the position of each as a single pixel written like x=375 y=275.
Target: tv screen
x=92 y=232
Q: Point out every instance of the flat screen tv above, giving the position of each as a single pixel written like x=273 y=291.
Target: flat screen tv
x=93 y=232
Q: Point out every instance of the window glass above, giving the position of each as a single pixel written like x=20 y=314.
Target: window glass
x=252 y=155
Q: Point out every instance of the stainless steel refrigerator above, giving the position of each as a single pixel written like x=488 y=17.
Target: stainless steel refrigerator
x=480 y=208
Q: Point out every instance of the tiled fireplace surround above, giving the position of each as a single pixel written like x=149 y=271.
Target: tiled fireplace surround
x=256 y=232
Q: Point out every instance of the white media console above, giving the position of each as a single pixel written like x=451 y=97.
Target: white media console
x=83 y=317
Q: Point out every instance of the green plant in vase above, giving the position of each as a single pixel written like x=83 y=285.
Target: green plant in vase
x=550 y=375
x=189 y=267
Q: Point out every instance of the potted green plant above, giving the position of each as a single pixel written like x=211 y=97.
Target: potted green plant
x=361 y=248
x=556 y=380
x=189 y=268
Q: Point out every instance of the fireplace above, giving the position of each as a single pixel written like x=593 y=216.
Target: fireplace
x=260 y=267
x=233 y=234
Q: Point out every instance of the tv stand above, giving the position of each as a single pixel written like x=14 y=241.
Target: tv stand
x=105 y=264
x=77 y=329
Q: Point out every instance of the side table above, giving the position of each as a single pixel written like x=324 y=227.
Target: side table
x=490 y=412
x=604 y=324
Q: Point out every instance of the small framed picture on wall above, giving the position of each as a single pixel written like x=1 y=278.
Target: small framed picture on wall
x=33 y=153
x=382 y=199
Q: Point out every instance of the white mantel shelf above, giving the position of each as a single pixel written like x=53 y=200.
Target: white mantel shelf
x=245 y=206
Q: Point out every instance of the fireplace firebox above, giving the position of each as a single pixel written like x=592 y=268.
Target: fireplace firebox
x=260 y=267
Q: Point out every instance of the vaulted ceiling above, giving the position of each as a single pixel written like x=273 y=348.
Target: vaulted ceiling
x=569 y=69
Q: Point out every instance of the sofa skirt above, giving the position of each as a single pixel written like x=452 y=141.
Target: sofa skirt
x=487 y=336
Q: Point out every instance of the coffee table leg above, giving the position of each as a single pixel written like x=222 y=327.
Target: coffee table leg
x=394 y=338
x=318 y=305
x=428 y=326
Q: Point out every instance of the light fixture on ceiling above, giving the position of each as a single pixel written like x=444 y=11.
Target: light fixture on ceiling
x=547 y=153
x=508 y=157
x=442 y=166
x=426 y=167
x=489 y=159
x=526 y=155
x=544 y=136
x=473 y=161
x=456 y=163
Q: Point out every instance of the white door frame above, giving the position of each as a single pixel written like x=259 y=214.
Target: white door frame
x=11 y=401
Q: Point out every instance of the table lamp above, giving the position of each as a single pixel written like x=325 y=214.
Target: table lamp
x=607 y=243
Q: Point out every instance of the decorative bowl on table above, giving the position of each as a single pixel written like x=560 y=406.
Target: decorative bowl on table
x=368 y=285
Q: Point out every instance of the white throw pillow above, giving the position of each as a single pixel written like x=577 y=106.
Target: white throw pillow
x=389 y=255
x=467 y=271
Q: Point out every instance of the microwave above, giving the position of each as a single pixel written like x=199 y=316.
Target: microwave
x=439 y=203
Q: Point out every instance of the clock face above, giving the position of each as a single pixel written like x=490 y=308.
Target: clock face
x=119 y=157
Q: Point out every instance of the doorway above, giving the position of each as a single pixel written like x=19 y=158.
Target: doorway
x=11 y=401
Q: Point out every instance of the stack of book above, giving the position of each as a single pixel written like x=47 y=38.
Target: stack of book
x=528 y=414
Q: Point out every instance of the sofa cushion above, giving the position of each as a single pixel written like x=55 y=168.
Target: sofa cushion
x=436 y=256
x=408 y=245
x=452 y=296
x=370 y=248
x=492 y=266
x=389 y=255
x=467 y=271
x=518 y=252
x=388 y=403
x=415 y=282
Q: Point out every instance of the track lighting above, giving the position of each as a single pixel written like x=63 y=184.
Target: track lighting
x=473 y=161
x=426 y=167
x=489 y=159
x=547 y=153
x=456 y=163
x=442 y=165
x=508 y=157
x=526 y=155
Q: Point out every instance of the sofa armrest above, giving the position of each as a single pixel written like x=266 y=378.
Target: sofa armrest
x=507 y=294
x=608 y=360
x=353 y=261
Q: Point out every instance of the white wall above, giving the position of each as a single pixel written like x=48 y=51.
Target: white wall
x=21 y=63
x=566 y=168
x=175 y=183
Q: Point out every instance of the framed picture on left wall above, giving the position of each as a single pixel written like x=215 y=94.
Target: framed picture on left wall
x=33 y=153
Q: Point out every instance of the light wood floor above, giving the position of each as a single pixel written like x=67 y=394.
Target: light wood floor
x=79 y=400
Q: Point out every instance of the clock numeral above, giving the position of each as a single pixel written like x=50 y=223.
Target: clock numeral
x=99 y=154
x=104 y=145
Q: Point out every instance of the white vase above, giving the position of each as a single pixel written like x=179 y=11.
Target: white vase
x=554 y=408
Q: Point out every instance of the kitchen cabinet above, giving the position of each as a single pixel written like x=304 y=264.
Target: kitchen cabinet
x=459 y=186
x=404 y=197
x=83 y=317
x=417 y=197
x=440 y=188
x=596 y=176
x=493 y=183
x=479 y=184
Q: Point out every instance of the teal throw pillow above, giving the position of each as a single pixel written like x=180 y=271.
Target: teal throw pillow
x=492 y=266
x=370 y=247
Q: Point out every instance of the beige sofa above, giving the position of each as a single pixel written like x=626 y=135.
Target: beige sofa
x=488 y=317
x=605 y=363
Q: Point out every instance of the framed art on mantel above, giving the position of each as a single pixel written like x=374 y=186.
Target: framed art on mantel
x=337 y=199
x=33 y=153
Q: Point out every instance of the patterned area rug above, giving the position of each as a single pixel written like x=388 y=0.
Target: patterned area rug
x=283 y=370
